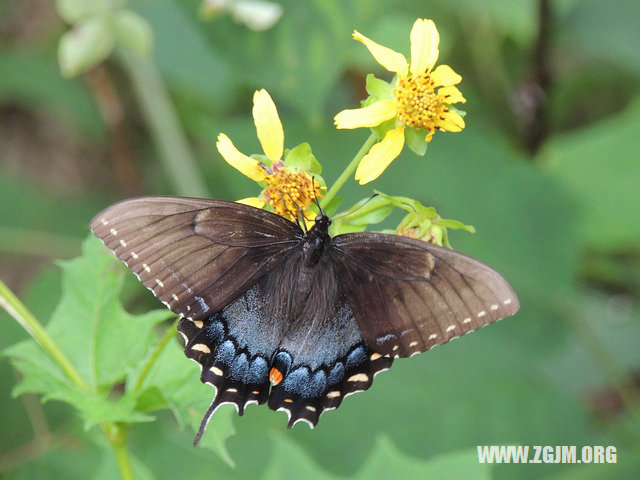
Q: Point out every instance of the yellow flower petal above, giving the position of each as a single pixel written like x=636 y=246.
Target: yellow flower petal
x=369 y=116
x=268 y=125
x=389 y=59
x=252 y=201
x=451 y=95
x=424 y=46
x=445 y=76
x=246 y=165
x=451 y=122
x=380 y=156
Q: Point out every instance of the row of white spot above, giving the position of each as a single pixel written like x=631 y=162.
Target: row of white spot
x=451 y=327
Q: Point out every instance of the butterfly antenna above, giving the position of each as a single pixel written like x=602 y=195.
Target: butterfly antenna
x=349 y=212
x=315 y=199
x=300 y=214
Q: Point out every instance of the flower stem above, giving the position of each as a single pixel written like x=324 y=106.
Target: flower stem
x=25 y=318
x=168 y=335
x=162 y=120
x=117 y=436
x=344 y=176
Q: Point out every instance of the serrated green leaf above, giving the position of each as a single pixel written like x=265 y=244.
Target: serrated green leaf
x=41 y=375
x=151 y=399
x=85 y=46
x=302 y=158
x=378 y=89
x=416 y=140
x=176 y=381
x=101 y=340
x=385 y=461
x=133 y=32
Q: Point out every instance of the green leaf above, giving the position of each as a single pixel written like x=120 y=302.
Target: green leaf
x=133 y=32
x=333 y=205
x=85 y=46
x=599 y=166
x=462 y=113
x=455 y=224
x=41 y=375
x=101 y=340
x=378 y=89
x=416 y=140
x=385 y=461
x=338 y=227
x=382 y=129
x=174 y=383
x=106 y=340
x=367 y=211
x=302 y=158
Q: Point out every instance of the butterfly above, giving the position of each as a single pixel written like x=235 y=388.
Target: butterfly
x=292 y=318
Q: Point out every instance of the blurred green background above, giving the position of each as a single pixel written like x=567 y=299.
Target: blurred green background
x=547 y=170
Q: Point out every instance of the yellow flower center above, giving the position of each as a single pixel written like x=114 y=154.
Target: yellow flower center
x=417 y=102
x=290 y=193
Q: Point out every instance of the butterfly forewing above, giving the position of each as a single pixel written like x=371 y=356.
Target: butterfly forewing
x=409 y=296
x=195 y=255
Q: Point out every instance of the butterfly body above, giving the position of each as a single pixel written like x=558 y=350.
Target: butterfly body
x=297 y=320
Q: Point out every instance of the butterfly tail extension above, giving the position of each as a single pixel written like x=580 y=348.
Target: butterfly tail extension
x=239 y=378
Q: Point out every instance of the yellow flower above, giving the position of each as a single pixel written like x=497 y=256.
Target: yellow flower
x=289 y=191
x=421 y=99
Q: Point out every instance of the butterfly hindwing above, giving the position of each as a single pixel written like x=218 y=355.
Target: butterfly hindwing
x=294 y=327
x=322 y=357
x=195 y=255
x=409 y=296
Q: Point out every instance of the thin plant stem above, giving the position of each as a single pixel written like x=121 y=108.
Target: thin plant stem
x=344 y=176
x=25 y=318
x=168 y=335
x=178 y=160
x=117 y=436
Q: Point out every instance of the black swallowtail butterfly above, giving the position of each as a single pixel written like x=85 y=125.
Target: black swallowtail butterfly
x=292 y=319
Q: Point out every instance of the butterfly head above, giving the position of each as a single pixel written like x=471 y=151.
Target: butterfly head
x=322 y=222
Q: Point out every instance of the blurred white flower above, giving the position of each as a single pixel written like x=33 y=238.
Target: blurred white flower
x=258 y=15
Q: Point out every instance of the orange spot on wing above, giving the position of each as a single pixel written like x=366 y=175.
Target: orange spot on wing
x=275 y=376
